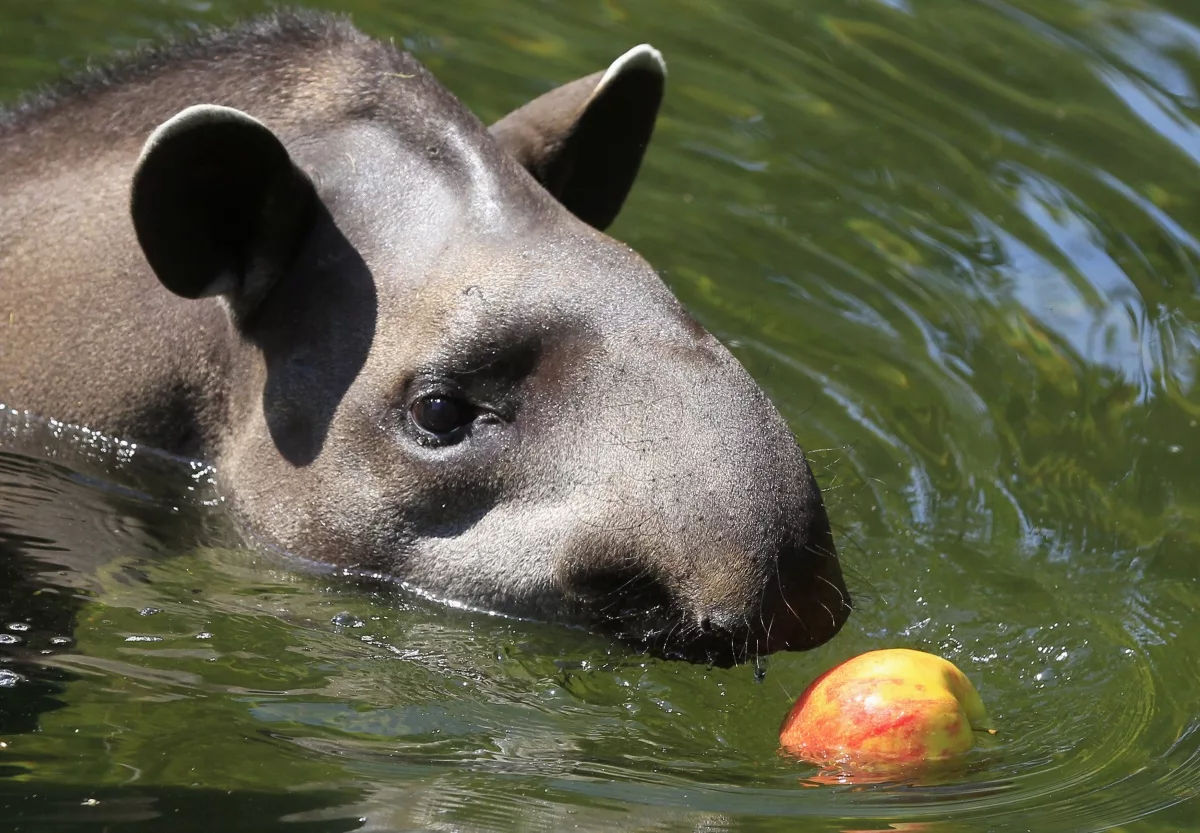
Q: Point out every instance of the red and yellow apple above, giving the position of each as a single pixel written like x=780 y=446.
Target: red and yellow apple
x=889 y=710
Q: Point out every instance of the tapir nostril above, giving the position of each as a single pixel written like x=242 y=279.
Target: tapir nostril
x=783 y=592
x=806 y=604
x=801 y=604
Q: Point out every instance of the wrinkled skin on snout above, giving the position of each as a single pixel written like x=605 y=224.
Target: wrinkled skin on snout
x=411 y=350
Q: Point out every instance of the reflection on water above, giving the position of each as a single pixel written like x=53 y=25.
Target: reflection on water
x=958 y=244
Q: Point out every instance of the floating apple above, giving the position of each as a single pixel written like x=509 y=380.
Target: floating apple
x=890 y=710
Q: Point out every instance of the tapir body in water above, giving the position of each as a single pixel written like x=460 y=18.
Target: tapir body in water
x=402 y=337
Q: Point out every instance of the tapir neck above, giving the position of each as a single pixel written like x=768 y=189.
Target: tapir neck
x=108 y=348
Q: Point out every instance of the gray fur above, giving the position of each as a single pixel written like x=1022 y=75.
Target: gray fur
x=624 y=468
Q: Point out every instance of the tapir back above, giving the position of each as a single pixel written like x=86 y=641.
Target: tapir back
x=87 y=333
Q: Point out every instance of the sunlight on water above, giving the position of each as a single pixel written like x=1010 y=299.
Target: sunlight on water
x=958 y=245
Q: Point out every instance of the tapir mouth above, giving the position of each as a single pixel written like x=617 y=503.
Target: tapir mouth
x=680 y=639
x=725 y=614
x=642 y=613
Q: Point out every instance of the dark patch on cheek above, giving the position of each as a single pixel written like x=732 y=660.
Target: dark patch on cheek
x=453 y=497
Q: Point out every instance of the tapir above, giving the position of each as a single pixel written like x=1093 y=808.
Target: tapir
x=403 y=338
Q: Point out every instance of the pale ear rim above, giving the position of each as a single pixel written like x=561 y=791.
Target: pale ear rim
x=643 y=57
x=190 y=117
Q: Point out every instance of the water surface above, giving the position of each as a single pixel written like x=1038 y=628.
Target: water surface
x=957 y=242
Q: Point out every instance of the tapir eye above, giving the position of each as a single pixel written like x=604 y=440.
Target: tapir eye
x=442 y=416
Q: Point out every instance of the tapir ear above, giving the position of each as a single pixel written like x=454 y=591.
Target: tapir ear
x=584 y=141
x=218 y=205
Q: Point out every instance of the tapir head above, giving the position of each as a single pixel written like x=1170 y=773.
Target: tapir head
x=442 y=371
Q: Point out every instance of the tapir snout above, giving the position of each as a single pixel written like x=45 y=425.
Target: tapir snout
x=404 y=338
x=712 y=542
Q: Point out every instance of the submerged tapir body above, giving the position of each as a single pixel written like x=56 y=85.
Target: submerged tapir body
x=402 y=337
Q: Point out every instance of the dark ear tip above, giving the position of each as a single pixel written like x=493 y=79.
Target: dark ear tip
x=642 y=68
x=178 y=137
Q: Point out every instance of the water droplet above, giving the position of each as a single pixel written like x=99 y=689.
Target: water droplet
x=760 y=669
x=149 y=611
x=143 y=639
x=204 y=635
x=18 y=626
x=60 y=640
x=9 y=639
x=9 y=679
x=346 y=619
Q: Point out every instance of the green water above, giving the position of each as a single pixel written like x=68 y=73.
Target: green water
x=958 y=241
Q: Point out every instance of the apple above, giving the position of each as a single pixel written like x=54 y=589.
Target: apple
x=889 y=710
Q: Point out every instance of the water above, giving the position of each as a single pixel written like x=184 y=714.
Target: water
x=958 y=243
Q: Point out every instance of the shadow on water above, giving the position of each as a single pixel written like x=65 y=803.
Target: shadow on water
x=62 y=808
x=35 y=618
x=58 y=526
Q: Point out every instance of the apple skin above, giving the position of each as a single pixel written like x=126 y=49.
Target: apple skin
x=892 y=709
